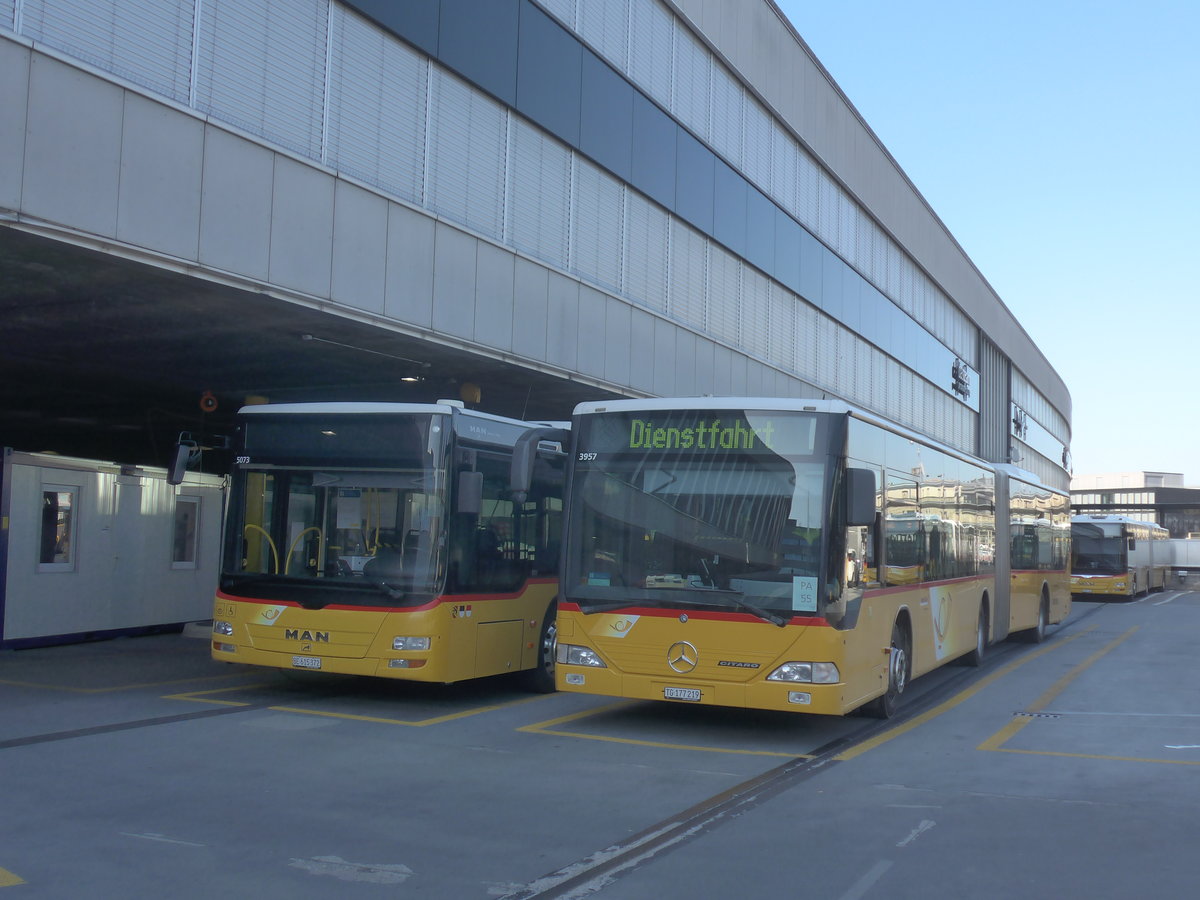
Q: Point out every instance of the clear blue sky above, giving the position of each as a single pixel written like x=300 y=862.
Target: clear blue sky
x=1058 y=142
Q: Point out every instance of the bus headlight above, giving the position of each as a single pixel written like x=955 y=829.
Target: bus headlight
x=225 y=628
x=572 y=655
x=410 y=643
x=807 y=673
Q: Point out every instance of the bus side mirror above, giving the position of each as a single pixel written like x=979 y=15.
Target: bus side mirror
x=470 y=493
x=860 y=497
x=179 y=464
x=520 y=476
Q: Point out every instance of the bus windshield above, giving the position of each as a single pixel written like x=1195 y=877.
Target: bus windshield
x=699 y=510
x=337 y=533
x=1098 y=549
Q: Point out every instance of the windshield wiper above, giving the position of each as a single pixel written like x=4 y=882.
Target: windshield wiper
x=737 y=599
x=387 y=590
x=587 y=607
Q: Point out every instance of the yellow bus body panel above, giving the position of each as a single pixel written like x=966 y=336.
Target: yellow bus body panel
x=470 y=636
x=735 y=655
x=1103 y=585
x=1026 y=596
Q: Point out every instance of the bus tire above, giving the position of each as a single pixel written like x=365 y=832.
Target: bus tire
x=974 y=659
x=1037 y=633
x=540 y=679
x=899 y=672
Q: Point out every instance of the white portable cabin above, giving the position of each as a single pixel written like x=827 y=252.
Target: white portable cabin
x=93 y=549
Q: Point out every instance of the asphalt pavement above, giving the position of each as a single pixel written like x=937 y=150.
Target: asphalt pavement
x=140 y=767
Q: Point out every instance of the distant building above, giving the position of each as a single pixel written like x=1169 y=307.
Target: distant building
x=1152 y=496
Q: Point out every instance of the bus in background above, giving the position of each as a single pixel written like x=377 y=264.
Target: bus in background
x=1116 y=556
x=383 y=539
x=791 y=555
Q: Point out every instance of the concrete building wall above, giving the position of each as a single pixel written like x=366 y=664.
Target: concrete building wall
x=758 y=41
x=758 y=239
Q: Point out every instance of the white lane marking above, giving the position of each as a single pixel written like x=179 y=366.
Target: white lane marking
x=925 y=825
x=1182 y=746
x=1169 y=599
x=367 y=873
x=151 y=836
x=859 y=888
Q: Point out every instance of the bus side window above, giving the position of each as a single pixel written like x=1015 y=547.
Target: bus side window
x=494 y=563
x=539 y=520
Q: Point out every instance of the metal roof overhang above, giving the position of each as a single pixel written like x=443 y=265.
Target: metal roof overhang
x=107 y=357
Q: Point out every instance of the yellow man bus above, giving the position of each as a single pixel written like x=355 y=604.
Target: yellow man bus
x=1116 y=556
x=791 y=555
x=384 y=539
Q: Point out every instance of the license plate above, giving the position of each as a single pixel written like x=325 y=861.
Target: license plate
x=306 y=662
x=671 y=693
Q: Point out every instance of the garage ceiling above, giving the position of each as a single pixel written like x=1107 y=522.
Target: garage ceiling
x=108 y=358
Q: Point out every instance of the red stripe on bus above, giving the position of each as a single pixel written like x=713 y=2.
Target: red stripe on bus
x=435 y=602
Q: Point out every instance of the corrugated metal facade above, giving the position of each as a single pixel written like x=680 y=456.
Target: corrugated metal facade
x=859 y=317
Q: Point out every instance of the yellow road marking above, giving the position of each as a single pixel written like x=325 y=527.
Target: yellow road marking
x=582 y=714
x=419 y=723
x=860 y=749
x=8 y=879
x=1001 y=737
x=548 y=727
x=205 y=697
x=997 y=741
x=1061 y=685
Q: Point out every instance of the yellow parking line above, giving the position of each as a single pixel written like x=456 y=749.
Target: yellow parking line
x=418 y=723
x=1001 y=737
x=997 y=741
x=1005 y=734
x=203 y=696
x=871 y=744
x=582 y=714
x=547 y=727
x=8 y=879
x=1061 y=685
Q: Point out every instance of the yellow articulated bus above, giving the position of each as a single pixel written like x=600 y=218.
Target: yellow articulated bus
x=1116 y=556
x=791 y=555
x=385 y=539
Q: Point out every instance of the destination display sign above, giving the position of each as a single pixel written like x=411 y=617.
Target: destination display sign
x=332 y=440
x=698 y=433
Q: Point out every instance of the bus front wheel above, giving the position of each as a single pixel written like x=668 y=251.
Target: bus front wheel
x=899 y=671
x=540 y=679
